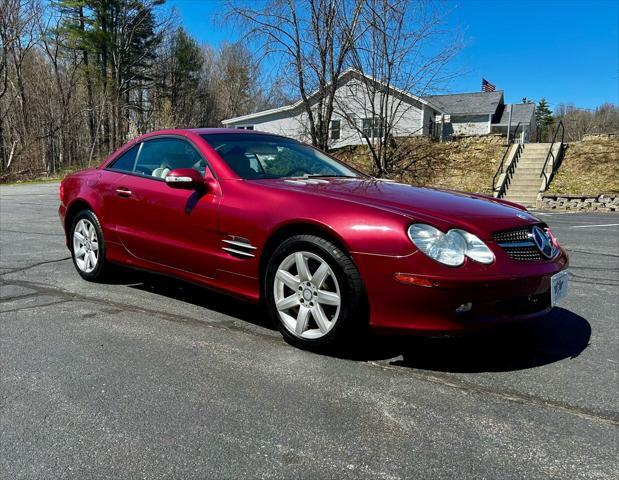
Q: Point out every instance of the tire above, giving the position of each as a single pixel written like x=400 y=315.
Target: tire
x=321 y=306
x=92 y=244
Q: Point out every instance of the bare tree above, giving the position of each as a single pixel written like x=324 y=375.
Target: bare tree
x=579 y=122
x=18 y=20
x=400 y=50
x=313 y=42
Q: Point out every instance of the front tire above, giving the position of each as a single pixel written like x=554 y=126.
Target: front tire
x=314 y=293
x=88 y=247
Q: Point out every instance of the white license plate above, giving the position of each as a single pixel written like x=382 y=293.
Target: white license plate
x=558 y=287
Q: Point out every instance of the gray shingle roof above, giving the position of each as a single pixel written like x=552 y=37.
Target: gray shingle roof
x=468 y=103
x=521 y=112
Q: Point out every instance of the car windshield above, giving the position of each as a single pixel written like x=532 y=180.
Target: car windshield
x=258 y=156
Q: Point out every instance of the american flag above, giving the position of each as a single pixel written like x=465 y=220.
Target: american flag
x=486 y=86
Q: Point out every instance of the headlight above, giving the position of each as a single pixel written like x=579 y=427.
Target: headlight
x=449 y=248
x=475 y=248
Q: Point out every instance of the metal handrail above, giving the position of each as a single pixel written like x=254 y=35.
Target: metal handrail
x=510 y=141
x=509 y=171
x=547 y=178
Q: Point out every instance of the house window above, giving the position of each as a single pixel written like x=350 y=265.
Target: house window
x=244 y=127
x=372 y=127
x=335 y=130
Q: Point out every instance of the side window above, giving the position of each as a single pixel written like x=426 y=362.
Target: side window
x=335 y=129
x=126 y=161
x=160 y=155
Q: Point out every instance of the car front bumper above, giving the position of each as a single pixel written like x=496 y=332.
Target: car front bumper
x=506 y=291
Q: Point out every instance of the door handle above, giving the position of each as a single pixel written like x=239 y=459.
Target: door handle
x=123 y=192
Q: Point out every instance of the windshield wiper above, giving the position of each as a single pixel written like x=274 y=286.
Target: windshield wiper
x=316 y=175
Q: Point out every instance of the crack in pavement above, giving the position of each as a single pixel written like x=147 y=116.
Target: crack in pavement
x=38 y=264
x=506 y=394
x=575 y=277
x=34 y=233
x=67 y=296
x=30 y=307
x=591 y=252
x=232 y=325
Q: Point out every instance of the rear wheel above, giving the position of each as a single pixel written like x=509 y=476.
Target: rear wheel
x=88 y=246
x=314 y=293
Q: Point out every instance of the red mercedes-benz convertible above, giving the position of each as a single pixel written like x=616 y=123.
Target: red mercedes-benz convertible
x=328 y=249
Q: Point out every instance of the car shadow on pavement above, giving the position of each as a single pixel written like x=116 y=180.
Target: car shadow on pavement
x=186 y=292
x=557 y=336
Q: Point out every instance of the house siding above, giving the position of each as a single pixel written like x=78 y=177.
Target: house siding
x=470 y=124
x=443 y=116
x=352 y=105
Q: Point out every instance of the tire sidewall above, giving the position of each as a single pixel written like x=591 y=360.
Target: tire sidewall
x=98 y=270
x=349 y=303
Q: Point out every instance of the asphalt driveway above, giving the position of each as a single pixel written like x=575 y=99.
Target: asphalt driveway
x=151 y=378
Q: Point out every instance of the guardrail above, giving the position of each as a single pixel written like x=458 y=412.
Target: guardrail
x=553 y=169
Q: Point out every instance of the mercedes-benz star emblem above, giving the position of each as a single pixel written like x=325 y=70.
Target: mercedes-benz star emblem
x=543 y=242
x=524 y=216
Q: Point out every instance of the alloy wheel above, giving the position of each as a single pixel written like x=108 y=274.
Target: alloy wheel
x=85 y=246
x=307 y=295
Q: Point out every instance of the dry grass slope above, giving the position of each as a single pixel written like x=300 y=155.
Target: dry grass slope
x=467 y=164
x=589 y=167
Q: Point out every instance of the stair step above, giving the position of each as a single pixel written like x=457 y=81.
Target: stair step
x=526 y=181
x=537 y=168
x=524 y=189
x=528 y=171
x=521 y=199
x=526 y=175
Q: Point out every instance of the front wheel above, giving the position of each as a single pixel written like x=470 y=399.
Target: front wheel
x=314 y=293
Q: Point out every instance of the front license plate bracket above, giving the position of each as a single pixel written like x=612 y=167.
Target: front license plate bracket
x=558 y=286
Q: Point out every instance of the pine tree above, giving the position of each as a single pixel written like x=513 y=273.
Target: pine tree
x=543 y=117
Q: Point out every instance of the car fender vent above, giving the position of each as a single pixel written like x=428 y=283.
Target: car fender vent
x=239 y=247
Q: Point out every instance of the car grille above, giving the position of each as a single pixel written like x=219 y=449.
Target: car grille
x=520 y=234
x=518 y=244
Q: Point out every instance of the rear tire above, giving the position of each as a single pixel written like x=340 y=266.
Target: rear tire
x=314 y=294
x=88 y=247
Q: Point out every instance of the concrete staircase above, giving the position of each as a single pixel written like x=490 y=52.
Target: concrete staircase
x=526 y=183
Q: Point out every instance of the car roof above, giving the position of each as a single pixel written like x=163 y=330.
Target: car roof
x=237 y=131
x=201 y=131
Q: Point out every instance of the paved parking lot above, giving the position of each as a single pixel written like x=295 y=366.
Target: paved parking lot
x=152 y=378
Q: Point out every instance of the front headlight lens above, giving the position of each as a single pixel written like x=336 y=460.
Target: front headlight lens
x=475 y=248
x=444 y=248
x=449 y=248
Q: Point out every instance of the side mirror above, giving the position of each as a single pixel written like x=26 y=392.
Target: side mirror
x=185 y=178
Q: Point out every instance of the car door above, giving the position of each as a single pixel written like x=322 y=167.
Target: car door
x=171 y=227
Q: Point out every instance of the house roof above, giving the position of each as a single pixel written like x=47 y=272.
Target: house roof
x=344 y=77
x=521 y=113
x=468 y=103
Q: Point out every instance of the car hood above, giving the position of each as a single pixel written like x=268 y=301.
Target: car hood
x=419 y=203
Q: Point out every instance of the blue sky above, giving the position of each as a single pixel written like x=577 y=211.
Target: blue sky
x=563 y=50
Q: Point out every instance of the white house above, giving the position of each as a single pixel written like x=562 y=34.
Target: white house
x=436 y=115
